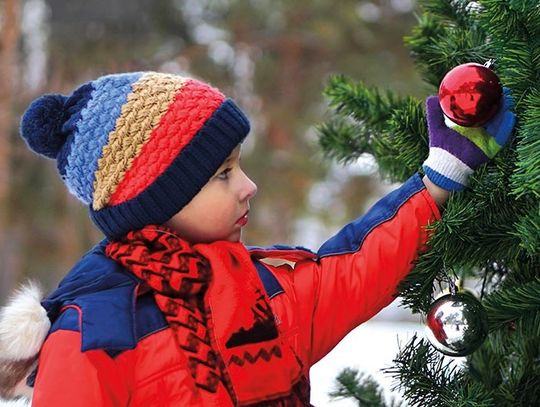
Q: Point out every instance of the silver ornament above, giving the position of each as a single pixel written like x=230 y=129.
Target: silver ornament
x=457 y=324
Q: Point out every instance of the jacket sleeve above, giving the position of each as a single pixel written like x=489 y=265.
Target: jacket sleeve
x=69 y=377
x=358 y=270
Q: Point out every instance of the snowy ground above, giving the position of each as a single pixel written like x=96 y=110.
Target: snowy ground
x=369 y=348
x=19 y=403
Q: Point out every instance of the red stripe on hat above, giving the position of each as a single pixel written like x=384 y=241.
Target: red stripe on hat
x=193 y=105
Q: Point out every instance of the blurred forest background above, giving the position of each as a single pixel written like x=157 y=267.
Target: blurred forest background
x=272 y=56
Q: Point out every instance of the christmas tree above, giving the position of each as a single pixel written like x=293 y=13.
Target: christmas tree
x=489 y=233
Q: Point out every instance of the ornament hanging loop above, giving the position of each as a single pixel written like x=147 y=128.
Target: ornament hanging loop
x=452 y=287
x=453 y=281
x=489 y=63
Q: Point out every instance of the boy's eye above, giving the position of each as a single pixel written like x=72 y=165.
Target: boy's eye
x=224 y=175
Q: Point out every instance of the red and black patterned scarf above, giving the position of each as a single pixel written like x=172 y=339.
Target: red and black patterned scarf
x=216 y=306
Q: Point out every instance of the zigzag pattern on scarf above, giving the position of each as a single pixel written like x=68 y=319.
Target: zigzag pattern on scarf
x=191 y=333
x=252 y=359
x=179 y=279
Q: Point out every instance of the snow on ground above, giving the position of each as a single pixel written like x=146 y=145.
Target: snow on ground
x=369 y=348
x=18 y=403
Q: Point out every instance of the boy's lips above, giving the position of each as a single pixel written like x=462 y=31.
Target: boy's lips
x=243 y=220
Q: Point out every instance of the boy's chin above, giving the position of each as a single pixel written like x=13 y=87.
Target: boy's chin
x=235 y=237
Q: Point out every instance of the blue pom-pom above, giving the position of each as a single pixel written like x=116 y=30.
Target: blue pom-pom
x=41 y=125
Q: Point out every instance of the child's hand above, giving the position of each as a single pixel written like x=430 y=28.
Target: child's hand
x=456 y=151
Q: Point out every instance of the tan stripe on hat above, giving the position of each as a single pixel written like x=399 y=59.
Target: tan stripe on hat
x=146 y=104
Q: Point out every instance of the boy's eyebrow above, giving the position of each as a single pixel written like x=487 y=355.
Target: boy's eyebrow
x=226 y=162
x=229 y=159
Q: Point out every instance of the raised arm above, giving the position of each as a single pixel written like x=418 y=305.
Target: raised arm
x=359 y=269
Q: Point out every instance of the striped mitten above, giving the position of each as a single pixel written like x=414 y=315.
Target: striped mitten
x=456 y=151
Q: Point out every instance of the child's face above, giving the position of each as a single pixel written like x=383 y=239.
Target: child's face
x=220 y=209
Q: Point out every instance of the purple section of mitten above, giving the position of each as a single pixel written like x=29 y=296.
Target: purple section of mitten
x=447 y=139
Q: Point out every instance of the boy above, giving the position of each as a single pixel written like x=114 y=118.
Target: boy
x=171 y=309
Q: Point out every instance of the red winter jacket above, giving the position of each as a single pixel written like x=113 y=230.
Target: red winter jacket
x=110 y=347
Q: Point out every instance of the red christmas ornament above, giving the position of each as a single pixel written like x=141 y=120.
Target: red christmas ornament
x=470 y=94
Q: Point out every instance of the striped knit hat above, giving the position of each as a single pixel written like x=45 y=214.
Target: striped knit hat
x=135 y=147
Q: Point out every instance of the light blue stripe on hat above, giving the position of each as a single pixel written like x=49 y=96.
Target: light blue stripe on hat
x=98 y=119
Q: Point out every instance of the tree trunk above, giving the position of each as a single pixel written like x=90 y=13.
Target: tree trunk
x=9 y=38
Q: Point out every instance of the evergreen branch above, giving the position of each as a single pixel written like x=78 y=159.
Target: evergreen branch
x=528 y=328
x=438 y=47
x=493 y=274
x=396 y=147
x=457 y=12
x=516 y=351
x=472 y=395
x=517 y=66
x=423 y=375
x=416 y=290
x=478 y=226
x=429 y=379
x=343 y=140
x=511 y=18
x=501 y=19
x=390 y=128
x=474 y=234
x=526 y=229
x=490 y=230
x=514 y=28
x=404 y=136
x=527 y=350
x=354 y=385
x=509 y=304
x=427 y=56
x=367 y=105
x=526 y=178
x=483 y=366
x=454 y=246
x=522 y=270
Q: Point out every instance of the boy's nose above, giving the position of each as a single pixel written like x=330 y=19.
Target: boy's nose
x=249 y=188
